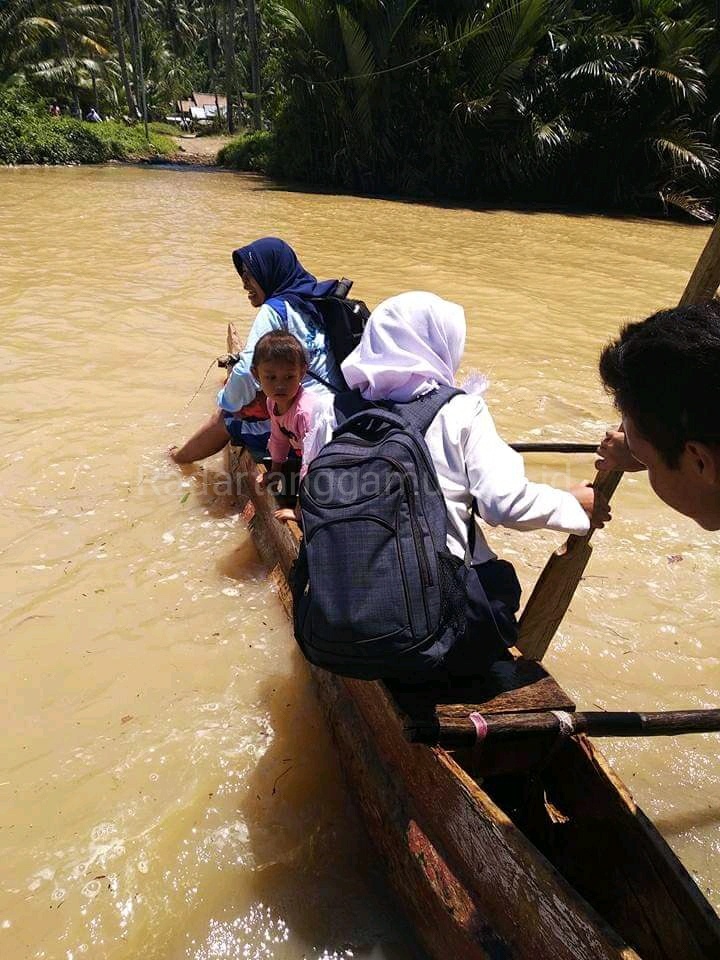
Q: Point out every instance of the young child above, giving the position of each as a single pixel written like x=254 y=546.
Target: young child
x=279 y=364
x=412 y=344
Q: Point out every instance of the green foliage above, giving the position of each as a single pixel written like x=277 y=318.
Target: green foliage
x=248 y=151
x=164 y=129
x=602 y=102
x=29 y=135
x=607 y=103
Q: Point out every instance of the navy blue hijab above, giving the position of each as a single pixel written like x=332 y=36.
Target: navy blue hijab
x=274 y=265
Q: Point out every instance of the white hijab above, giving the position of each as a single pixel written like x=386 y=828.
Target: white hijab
x=411 y=344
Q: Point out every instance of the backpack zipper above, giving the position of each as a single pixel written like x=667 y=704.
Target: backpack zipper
x=418 y=537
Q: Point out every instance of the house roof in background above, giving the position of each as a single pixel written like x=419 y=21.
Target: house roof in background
x=208 y=100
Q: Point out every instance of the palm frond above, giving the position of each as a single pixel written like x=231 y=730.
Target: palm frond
x=687 y=150
x=361 y=64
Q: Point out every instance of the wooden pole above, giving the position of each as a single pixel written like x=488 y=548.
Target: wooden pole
x=556 y=585
x=550 y=446
x=458 y=732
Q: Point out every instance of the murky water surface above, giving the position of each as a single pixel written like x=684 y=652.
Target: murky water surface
x=167 y=787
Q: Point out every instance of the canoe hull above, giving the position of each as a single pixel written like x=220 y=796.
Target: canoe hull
x=472 y=883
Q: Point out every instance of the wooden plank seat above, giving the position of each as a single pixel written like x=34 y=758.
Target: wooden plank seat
x=515 y=685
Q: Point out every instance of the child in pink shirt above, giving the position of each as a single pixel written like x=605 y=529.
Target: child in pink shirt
x=279 y=365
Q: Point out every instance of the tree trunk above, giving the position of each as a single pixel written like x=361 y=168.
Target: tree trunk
x=133 y=55
x=141 y=75
x=254 y=63
x=73 y=80
x=211 y=38
x=230 y=62
x=120 y=44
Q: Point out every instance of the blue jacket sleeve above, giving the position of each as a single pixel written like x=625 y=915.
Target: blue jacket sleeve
x=241 y=387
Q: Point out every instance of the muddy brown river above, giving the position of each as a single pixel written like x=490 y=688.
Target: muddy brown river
x=167 y=787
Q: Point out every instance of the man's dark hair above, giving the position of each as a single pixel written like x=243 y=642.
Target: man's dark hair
x=279 y=345
x=665 y=374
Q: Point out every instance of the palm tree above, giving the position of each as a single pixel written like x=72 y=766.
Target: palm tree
x=62 y=43
x=119 y=40
x=229 y=57
x=254 y=51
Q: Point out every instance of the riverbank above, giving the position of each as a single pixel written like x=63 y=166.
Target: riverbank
x=191 y=149
x=28 y=134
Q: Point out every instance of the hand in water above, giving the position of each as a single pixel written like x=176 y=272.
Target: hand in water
x=593 y=503
x=613 y=454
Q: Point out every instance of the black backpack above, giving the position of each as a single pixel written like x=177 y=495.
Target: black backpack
x=344 y=319
x=376 y=592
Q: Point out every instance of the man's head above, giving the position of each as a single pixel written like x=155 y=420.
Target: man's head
x=664 y=375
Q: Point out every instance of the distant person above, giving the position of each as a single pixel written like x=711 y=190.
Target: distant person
x=664 y=375
x=277 y=284
x=411 y=346
x=55 y=110
x=93 y=116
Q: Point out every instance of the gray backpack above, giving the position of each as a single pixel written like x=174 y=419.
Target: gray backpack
x=376 y=592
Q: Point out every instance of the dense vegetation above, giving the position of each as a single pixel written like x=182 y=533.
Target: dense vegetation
x=612 y=103
x=29 y=135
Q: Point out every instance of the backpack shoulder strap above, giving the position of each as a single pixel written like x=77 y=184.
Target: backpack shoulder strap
x=421 y=412
x=324 y=382
x=349 y=402
x=280 y=307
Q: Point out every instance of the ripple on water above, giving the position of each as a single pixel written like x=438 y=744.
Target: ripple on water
x=132 y=597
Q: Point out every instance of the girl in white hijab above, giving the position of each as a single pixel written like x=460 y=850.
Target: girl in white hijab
x=413 y=343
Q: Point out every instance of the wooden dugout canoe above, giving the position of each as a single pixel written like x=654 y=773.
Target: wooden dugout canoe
x=541 y=859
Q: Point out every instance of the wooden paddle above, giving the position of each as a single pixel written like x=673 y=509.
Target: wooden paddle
x=457 y=732
x=556 y=585
x=551 y=446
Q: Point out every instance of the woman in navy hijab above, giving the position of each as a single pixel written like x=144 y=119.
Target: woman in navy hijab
x=278 y=284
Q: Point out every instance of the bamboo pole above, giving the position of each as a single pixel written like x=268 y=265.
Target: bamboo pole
x=552 y=446
x=556 y=585
x=455 y=733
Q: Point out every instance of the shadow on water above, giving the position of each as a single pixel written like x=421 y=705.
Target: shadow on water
x=314 y=863
x=674 y=825
x=242 y=563
x=258 y=182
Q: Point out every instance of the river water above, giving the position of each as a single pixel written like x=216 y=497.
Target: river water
x=167 y=787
